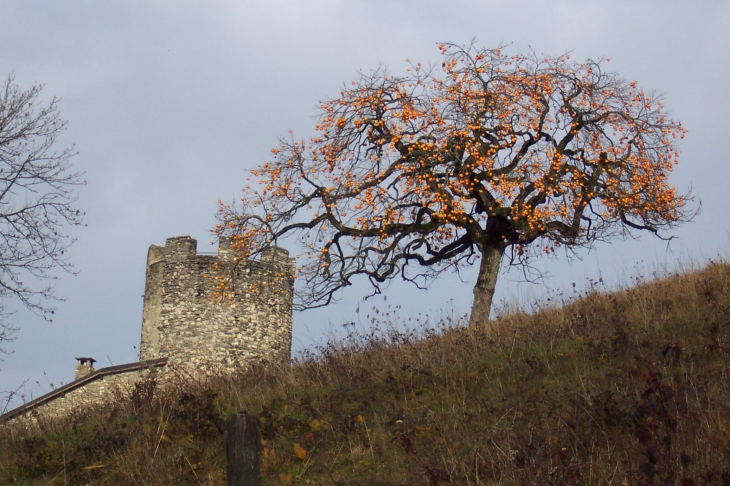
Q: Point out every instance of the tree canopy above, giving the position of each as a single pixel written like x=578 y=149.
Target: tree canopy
x=414 y=174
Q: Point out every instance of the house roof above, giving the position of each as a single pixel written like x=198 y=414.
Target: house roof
x=96 y=375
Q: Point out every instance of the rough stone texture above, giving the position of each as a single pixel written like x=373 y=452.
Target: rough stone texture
x=185 y=329
x=92 y=390
x=183 y=321
x=149 y=344
x=85 y=367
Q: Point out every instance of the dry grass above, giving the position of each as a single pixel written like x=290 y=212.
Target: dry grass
x=624 y=388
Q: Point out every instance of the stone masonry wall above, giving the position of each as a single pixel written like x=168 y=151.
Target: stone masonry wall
x=185 y=329
x=96 y=391
x=182 y=321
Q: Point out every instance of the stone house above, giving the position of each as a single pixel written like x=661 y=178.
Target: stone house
x=186 y=329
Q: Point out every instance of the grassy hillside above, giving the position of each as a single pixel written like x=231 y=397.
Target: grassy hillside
x=623 y=388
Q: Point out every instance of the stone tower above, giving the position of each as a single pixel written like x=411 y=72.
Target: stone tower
x=182 y=322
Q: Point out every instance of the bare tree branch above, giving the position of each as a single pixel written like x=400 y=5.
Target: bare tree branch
x=37 y=201
x=412 y=175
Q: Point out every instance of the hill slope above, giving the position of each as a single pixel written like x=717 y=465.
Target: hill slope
x=622 y=388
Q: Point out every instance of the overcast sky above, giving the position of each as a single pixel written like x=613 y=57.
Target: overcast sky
x=170 y=102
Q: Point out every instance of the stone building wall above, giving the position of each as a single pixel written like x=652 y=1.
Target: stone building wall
x=98 y=388
x=185 y=329
x=183 y=321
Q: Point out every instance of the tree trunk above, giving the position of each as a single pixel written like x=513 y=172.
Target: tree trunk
x=486 y=282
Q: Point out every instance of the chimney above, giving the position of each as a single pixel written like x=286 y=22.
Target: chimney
x=85 y=367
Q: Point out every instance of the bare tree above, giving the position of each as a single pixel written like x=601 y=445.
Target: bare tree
x=37 y=202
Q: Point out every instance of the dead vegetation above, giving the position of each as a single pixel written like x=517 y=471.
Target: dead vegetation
x=628 y=387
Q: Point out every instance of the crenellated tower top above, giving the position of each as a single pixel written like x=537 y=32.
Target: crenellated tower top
x=183 y=322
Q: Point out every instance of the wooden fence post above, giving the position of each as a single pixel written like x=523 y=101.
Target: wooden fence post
x=243 y=450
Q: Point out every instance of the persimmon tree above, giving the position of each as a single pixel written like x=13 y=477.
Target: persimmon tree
x=487 y=155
